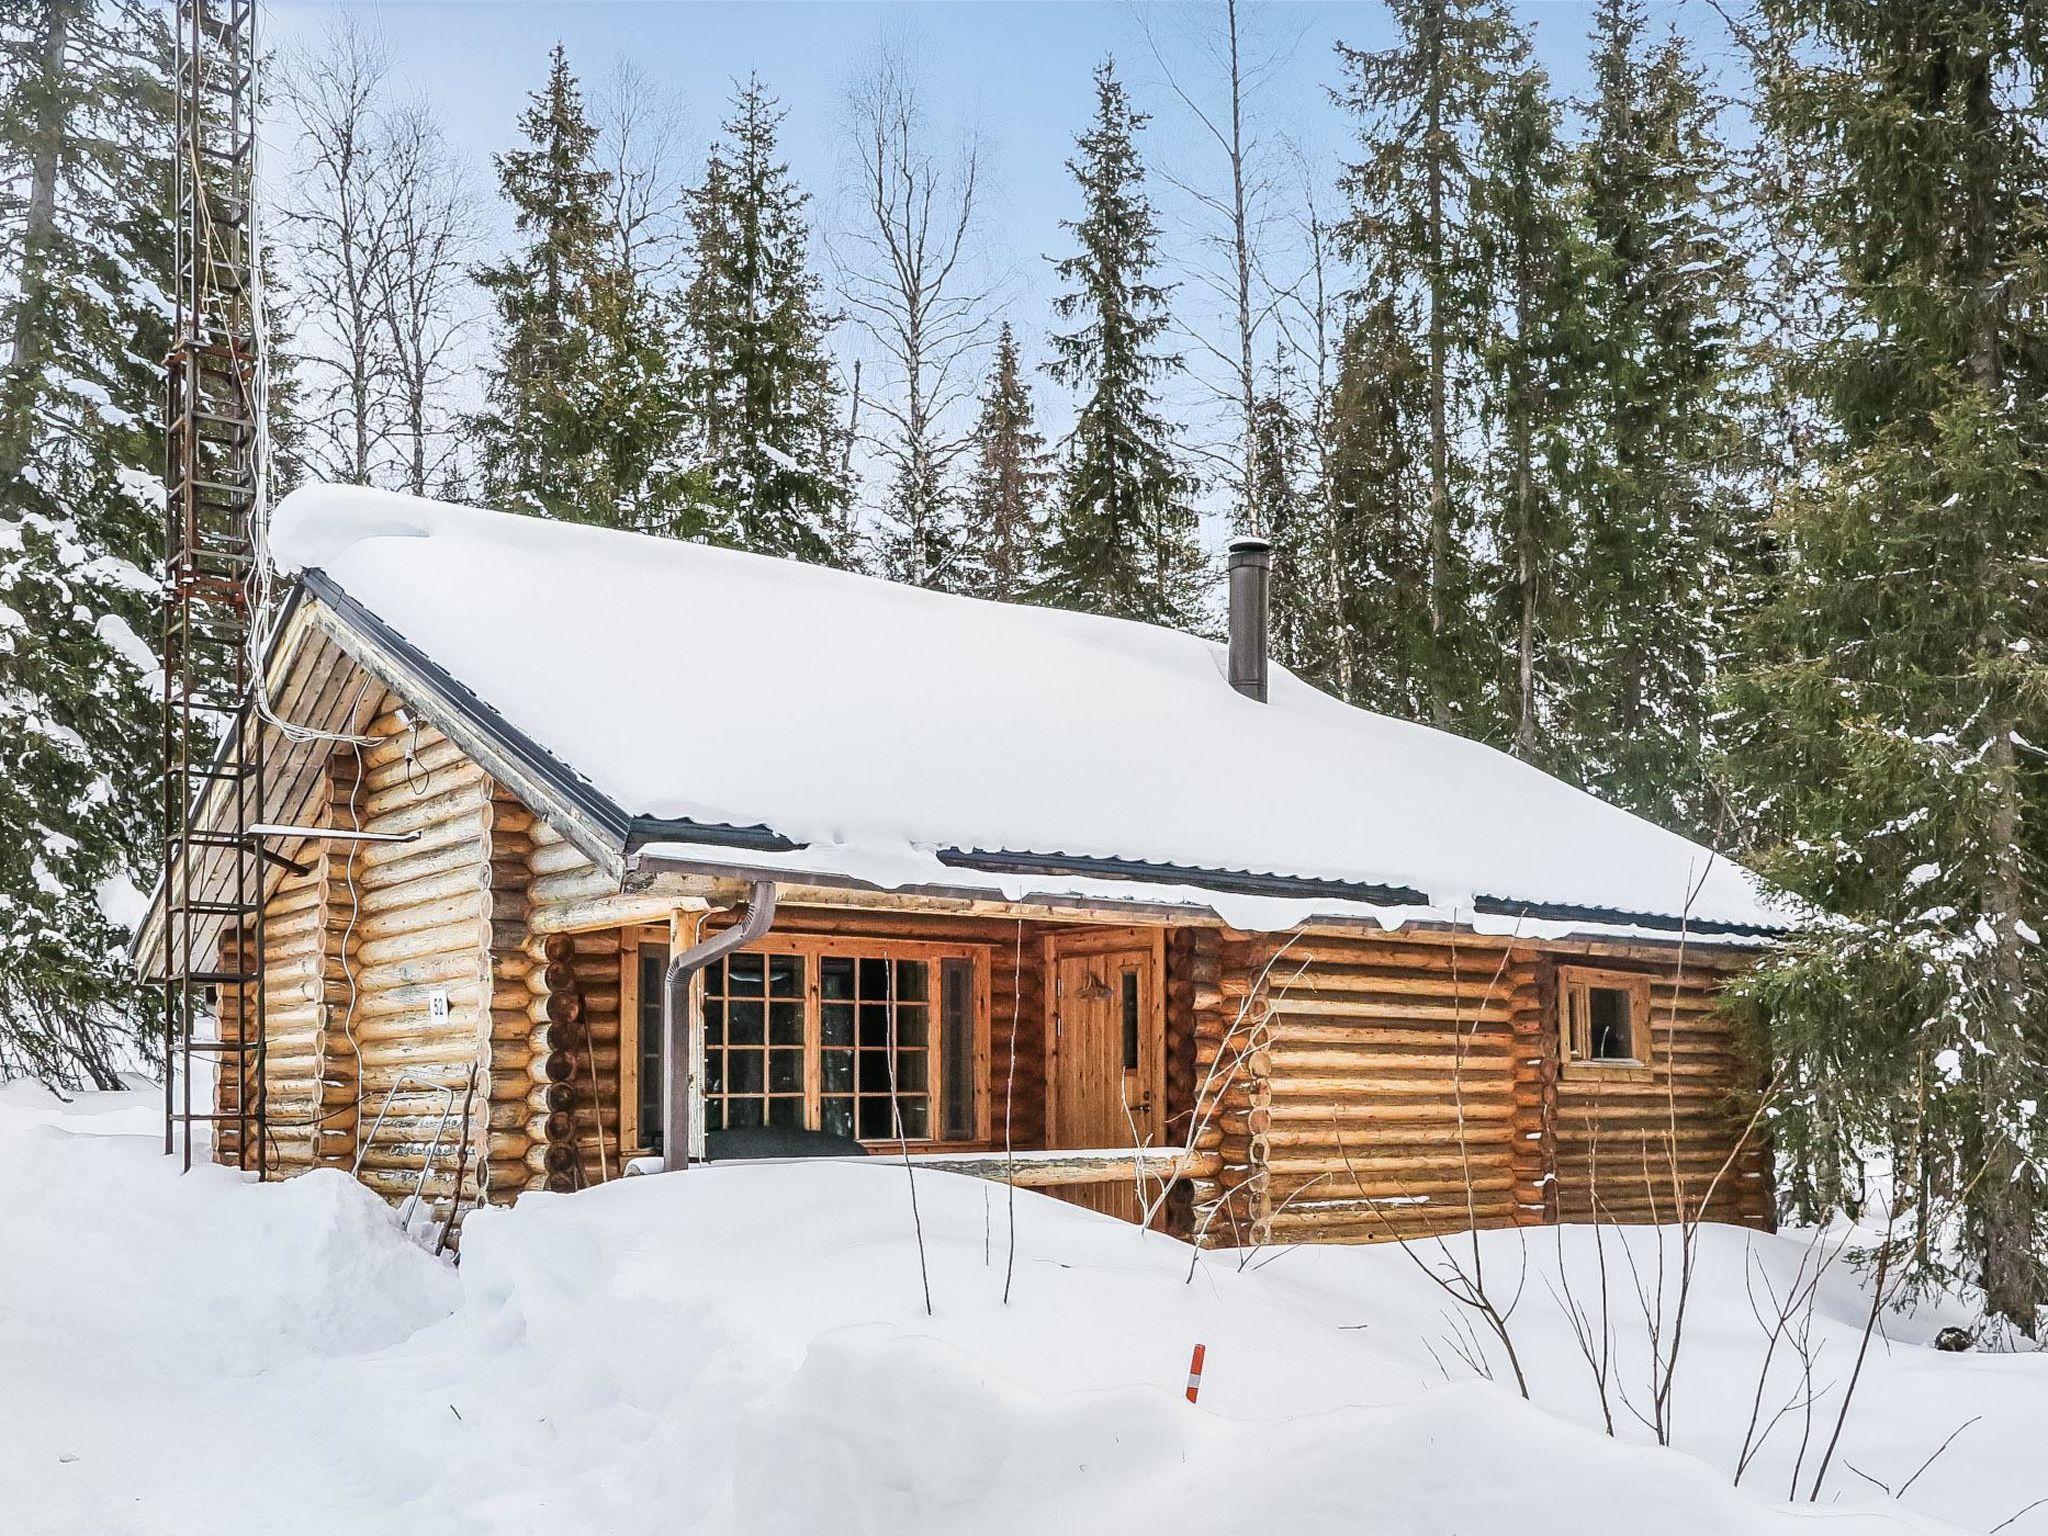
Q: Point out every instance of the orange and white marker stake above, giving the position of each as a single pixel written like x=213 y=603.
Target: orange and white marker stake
x=1195 y=1372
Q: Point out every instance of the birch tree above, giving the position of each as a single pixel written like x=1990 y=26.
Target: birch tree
x=909 y=285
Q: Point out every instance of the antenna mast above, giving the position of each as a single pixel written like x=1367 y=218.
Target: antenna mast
x=213 y=550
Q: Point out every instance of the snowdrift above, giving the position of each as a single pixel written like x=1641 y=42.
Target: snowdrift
x=747 y=1350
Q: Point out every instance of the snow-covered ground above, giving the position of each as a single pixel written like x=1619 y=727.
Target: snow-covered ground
x=748 y=1350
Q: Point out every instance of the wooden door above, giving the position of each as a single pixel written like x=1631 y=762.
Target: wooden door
x=1106 y=1052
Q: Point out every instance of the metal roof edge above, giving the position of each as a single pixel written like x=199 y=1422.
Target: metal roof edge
x=499 y=746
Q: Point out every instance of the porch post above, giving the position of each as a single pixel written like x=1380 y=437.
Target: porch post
x=682 y=1021
x=682 y=1051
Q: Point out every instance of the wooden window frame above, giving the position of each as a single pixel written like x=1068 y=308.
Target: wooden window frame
x=813 y=948
x=1574 y=982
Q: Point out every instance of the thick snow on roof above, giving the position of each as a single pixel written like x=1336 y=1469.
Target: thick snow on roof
x=878 y=724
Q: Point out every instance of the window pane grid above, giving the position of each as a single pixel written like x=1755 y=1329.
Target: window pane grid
x=839 y=1038
x=874 y=1020
x=754 y=1071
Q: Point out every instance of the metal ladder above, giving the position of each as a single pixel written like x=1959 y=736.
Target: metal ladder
x=213 y=863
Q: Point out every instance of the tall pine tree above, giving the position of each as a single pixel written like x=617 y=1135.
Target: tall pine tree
x=1665 y=535
x=84 y=185
x=537 y=435
x=760 y=381
x=1007 y=485
x=1529 y=349
x=1420 y=105
x=1347 y=606
x=1899 y=699
x=1123 y=530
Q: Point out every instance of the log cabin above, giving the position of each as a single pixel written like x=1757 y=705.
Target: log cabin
x=592 y=853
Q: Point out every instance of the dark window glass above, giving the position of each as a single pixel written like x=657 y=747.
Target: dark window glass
x=837 y=1023
x=653 y=1075
x=836 y=1067
x=956 y=1041
x=910 y=1026
x=874 y=1025
x=743 y=1022
x=1609 y=1035
x=754 y=1041
x=745 y=975
x=838 y=1116
x=786 y=1072
x=910 y=981
x=875 y=1035
x=1130 y=1020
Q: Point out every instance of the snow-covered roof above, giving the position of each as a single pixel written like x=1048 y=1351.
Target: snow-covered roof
x=866 y=730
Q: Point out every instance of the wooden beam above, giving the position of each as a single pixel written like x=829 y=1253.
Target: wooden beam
x=1042 y=1170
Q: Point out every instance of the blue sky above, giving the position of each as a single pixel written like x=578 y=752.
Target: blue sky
x=1016 y=72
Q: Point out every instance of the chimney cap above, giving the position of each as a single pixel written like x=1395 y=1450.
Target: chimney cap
x=1250 y=544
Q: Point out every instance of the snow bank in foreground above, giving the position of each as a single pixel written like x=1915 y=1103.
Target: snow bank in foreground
x=746 y=1350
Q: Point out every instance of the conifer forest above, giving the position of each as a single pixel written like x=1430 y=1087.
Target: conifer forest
x=1683 y=432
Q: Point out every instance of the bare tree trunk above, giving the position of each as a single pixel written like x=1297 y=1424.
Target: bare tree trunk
x=1241 y=249
x=1237 y=212
x=1525 y=539
x=1439 y=411
x=425 y=276
x=27 y=346
x=2012 y=1267
x=339 y=232
x=905 y=279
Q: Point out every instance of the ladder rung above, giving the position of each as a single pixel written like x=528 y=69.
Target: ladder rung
x=208 y=978
x=218 y=840
x=216 y=775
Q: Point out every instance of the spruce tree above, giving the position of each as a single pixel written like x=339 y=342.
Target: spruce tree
x=1123 y=530
x=1347 y=612
x=1007 y=485
x=1420 y=106
x=1529 y=350
x=537 y=437
x=84 y=188
x=1665 y=537
x=760 y=381
x=1898 y=699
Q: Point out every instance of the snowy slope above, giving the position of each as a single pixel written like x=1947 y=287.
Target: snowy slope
x=746 y=1351
x=877 y=723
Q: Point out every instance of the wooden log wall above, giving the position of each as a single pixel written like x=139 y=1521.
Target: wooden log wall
x=1231 y=1095
x=1403 y=1085
x=330 y=1139
x=1661 y=1149
x=291 y=1025
x=567 y=1131
x=515 y=1041
x=572 y=1079
x=423 y=927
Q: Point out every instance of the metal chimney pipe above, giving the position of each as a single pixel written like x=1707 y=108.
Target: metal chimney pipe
x=1250 y=568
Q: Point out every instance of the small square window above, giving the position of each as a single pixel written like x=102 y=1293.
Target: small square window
x=1604 y=1017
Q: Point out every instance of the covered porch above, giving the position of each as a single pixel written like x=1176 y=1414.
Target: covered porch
x=1056 y=1055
